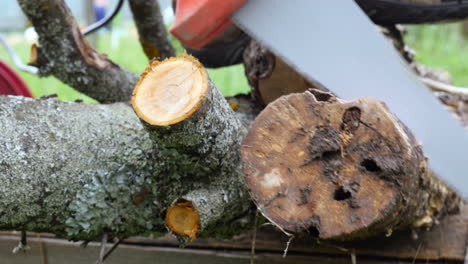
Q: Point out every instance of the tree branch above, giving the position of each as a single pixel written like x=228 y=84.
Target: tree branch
x=199 y=138
x=151 y=29
x=80 y=170
x=73 y=169
x=65 y=54
x=445 y=88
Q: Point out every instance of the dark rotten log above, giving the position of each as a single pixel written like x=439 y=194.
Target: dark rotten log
x=151 y=29
x=65 y=54
x=340 y=170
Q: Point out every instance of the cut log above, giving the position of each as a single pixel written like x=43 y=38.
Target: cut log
x=64 y=53
x=340 y=170
x=199 y=137
x=151 y=29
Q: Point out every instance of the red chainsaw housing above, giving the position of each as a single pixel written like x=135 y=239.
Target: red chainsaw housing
x=198 y=22
x=11 y=83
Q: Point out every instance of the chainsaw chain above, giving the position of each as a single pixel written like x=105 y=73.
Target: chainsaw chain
x=390 y=12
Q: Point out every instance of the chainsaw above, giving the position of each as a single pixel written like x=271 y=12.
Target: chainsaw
x=335 y=43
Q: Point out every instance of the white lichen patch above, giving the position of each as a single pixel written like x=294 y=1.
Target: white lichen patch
x=272 y=179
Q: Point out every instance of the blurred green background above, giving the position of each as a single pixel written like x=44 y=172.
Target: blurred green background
x=443 y=46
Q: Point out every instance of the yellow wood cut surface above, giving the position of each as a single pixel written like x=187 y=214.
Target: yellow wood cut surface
x=170 y=91
x=183 y=220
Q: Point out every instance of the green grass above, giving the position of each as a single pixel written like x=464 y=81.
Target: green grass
x=38 y=86
x=124 y=49
x=440 y=46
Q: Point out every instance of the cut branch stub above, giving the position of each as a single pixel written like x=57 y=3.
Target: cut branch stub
x=339 y=169
x=183 y=219
x=170 y=91
x=198 y=138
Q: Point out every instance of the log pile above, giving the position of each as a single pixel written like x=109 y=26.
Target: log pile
x=315 y=166
x=183 y=158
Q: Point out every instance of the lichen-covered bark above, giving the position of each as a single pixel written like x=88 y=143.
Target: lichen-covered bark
x=199 y=159
x=151 y=29
x=340 y=170
x=75 y=169
x=79 y=170
x=202 y=161
x=69 y=57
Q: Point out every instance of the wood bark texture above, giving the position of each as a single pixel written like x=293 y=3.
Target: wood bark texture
x=67 y=55
x=79 y=171
x=340 y=170
x=151 y=29
x=73 y=169
x=198 y=149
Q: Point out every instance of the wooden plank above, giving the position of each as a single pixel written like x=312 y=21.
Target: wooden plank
x=60 y=251
x=445 y=243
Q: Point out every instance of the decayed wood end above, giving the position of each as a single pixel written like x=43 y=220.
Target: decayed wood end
x=269 y=76
x=339 y=170
x=170 y=91
x=183 y=219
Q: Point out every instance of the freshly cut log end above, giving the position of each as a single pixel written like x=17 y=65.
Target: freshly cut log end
x=170 y=91
x=183 y=219
x=337 y=169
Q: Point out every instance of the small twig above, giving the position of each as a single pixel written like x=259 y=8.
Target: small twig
x=42 y=250
x=353 y=258
x=466 y=255
x=417 y=253
x=23 y=244
x=109 y=252
x=254 y=239
x=443 y=87
x=24 y=238
x=287 y=246
x=103 y=249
